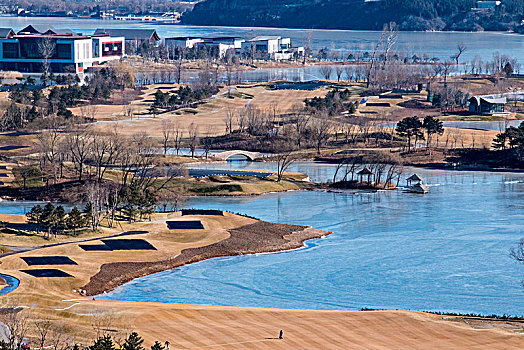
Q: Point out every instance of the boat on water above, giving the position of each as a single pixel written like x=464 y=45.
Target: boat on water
x=416 y=185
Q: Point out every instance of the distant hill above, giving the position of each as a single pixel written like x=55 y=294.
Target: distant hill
x=359 y=14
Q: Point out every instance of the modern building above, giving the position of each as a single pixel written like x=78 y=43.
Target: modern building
x=220 y=44
x=6 y=33
x=487 y=104
x=266 y=47
x=136 y=36
x=186 y=42
x=271 y=47
x=65 y=53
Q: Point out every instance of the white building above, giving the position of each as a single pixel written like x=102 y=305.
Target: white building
x=220 y=44
x=271 y=47
x=182 y=42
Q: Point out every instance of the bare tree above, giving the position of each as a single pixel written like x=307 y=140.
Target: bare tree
x=49 y=147
x=89 y=111
x=193 y=138
x=167 y=131
x=461 y=47
x=16 y=321
x=128 y=110
x=105 y=151
x=320 y=129
x=350 y=72
x=179 y=68
x=46 y=49
x=326 y=70
x=339 y=69
x=285 y=157
x=446 y=69
x=391 y=37
x=96 y=197
x=371 y=66
x=43 y=326
x=177 y=136
x=79 y=142
x=242 y=119
x=340 y=165
x=229 y=120
x=301 y=124
x=308 y=47
x=102 y=321
x=208 y=141
x=60 y=339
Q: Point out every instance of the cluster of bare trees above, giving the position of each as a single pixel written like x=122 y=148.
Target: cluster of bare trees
x=298 y=129
x=500 y=64
x=119 y=172
x=47 y=332
x=387 y=170
x=17 y=323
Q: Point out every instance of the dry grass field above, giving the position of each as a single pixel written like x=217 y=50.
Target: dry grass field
x=209 y=117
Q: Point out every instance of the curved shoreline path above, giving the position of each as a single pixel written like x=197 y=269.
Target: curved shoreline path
x=259 y=237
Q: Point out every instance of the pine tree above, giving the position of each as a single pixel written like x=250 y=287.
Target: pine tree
x=103 y=343
x=75 y=220
x=409 y=127
x=34 y=216
x=59 y=218
x=48 y=217
x=432 y=126
x=156 y=346
x=133 y=342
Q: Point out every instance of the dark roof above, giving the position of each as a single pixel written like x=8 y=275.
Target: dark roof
x=130 y=34
x=365 y=171
x=184 y=38
x=415 y=177
x=38 y=29
x=492 y=99
x=6 y=33
x=222 y=38
x=64 y=31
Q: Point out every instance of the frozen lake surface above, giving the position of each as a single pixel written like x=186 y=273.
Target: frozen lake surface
x=444 y=251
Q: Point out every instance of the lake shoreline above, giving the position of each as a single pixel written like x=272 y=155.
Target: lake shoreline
x=48 y=15
x=260 y=237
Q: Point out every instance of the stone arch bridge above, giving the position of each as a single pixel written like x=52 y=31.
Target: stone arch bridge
x=227 y=154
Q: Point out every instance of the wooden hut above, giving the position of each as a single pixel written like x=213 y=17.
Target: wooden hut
x=415 y=184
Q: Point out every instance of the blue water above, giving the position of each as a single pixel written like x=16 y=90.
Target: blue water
x=12 y=284
x=22 y=207
x=444 y=251
x=435 y=44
